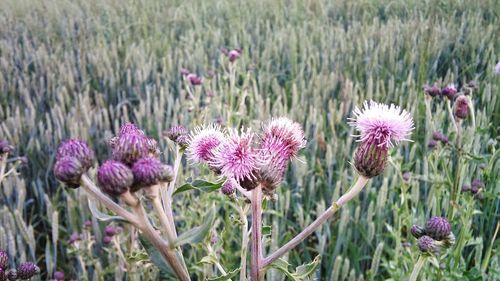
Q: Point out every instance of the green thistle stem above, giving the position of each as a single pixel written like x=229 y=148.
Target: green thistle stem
x=418 y=266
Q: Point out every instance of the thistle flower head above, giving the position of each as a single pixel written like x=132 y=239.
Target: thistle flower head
x=130 y=128
x=106 y=240
x=110 y=230
x=153 y=150
x=382 y=124
x=5 y=147
x=432 y=90
x=114 y=178
x=147 y=172
x=59 y=276
x=438 y=228
x=229 y=187
x=370 y=159
x=166 y=173
x=78 y=149
x=69 y=170
x=234 y=55
x=236 y=157
x=203 y=142
x=27 y=270
x=131 y=147
x=449 y=91
x=287 y=133
x=427 y=245
x=175 y=132
x=194 y=79
x=461 y=108
x=417 y=231
x=4 y=260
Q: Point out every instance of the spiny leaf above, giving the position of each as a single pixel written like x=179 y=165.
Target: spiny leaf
x=201 y=185
x=301 y=272
x=226 y=276
x=156 y=257
x=102 y=216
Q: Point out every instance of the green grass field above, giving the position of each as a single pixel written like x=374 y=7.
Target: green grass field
x=82 y=68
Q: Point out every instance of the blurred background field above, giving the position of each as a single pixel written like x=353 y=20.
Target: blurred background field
x=82 y=68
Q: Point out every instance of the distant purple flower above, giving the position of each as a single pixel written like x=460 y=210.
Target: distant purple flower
x=437 y=136
x=383 y=124
x=438 y=228
x=234 y=55
x=5 y=147
x=130 y=148
x=27 y=270
x=461 y=108
x=194 y=79
x=75 y=236
x=236 y=157
x=109 y=230
x=406 y=176
x=77 y=149
x=106 y=240
x=497 y=67
x=476 y=184
x=465 y=188
x=69 y=170
x=203 y=142
x=114 y=178
x=59 y=276
x=130 y=128
x=12 y=275
x=431 y=144
x=449 y=91
x=433 y=90
x=4 y=260
x=87 y=224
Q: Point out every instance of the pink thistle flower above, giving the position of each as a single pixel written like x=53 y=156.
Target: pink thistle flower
x=130 y=128
x=449 y=91
x=203 y=142
x=287 y=133
x=461 y=108
x=236 y=157
x=234 y=55
x=194 y=79
x=382 y=124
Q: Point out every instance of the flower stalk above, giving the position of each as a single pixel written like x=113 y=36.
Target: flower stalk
x=256 y=274
x=417 y=268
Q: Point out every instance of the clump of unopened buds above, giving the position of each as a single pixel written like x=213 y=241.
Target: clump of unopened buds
x=25 y=271
x=436 y=235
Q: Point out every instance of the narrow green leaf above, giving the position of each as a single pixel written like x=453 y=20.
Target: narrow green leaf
x=301 y=272
x=201 y=185
x=226 y=276
x=156 y=257
x=102 y=216
x=210 y=259
x=198 y=233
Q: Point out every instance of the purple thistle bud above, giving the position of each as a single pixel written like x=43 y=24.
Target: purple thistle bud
x=229 y=187
x=449 y=91
x=432 y=91
x=153 y=150
x=2 y=275
x=114 y=178
x=427 y=245
x=77 y=149
x=194 y=79
x=106 y=240
x=130 y=128
x=276 y=154
x=27 y=270
x=444 y=139
x=432 y=144
x=476 y=184
x=234 y=55
x=59 y=276
x=109 y=230
x=74 y=237
x=4 y=259
x=406 y=176
x=461 y=108
x=175 y=132
x=370 y=159
x=87 y=224
x=147 y=172
x=417 y=231
x=166 y=173
x=5 y=147
x=203 y=143
x=236 y=157
x=438 y=228
x=184 y=72
x=183 y=141
x=437 y=136
x=69 y=171
x=12 y=275
x=130 y=148
x=465 y=188
x=472 y=84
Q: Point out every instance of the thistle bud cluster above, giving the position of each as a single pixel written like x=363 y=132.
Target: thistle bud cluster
x=474 y=188
x=245 y=159
x=24 y=271
x=135 y=163
x=434 y=237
